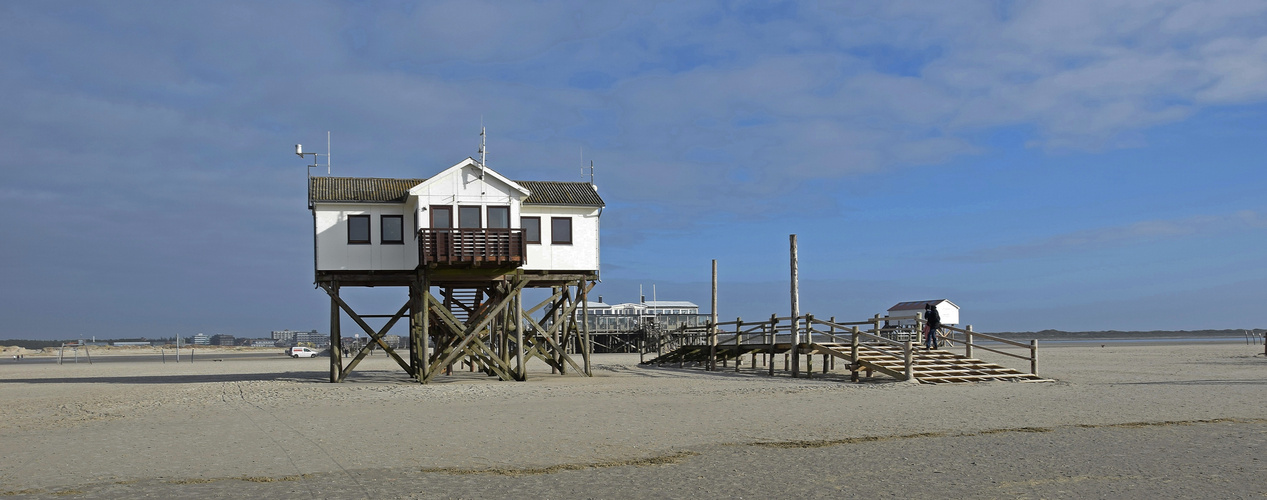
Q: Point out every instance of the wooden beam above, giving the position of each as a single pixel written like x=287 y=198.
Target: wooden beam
x=471 y=330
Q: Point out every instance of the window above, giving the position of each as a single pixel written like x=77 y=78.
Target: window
x=532 y=229
x=561 y=230
x=499 y=217
x=469 y=217
x=441 y=217
x=358 y=229
x=392 y=229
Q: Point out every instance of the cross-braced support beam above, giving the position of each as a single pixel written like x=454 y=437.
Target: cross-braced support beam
x=483 y=325
x=338 y=372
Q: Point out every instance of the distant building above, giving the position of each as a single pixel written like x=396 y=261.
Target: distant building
x=257 y=343
x=313 y=338
x=287 y=337
x=200 y=339
x=630 y=316
x=222 y=339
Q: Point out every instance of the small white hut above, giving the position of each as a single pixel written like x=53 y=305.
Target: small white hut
x=948 y=310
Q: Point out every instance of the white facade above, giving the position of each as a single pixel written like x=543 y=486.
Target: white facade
x=462 y=186
x=335 y=253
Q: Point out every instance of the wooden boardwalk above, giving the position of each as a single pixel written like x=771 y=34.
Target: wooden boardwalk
x=930 y=367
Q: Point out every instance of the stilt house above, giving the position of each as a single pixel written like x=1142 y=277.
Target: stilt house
x=478 y=237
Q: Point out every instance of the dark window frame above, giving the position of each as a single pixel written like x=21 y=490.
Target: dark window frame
x=432 y=217
x=527 y=236
x=554 y=236
x=369 y=232
x=488 y=216
x=480 y=218
x=382 y=229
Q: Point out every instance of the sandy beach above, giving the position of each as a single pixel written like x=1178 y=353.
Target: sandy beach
x=1120 y=421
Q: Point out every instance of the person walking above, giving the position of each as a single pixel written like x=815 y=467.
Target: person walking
x=933 y=320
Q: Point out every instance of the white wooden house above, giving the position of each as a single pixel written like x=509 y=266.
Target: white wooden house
x=948 y=311
x=466 y=216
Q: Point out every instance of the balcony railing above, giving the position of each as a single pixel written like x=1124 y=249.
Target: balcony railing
x=472 y=247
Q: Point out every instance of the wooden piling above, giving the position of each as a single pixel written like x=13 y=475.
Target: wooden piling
x=336 y=358
x=796 y=311
x=712 y=330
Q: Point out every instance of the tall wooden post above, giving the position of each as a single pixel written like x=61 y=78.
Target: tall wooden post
x=585 y=325
x=796 y=313
x=415 y=323
x=522 y=374
x=424 y=351
x=336 y=349
x=712 y=329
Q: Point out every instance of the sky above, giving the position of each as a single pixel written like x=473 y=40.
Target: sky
x=1045 y=165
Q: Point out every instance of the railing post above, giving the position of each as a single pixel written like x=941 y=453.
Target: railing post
x=919 y=328
x=809 y=349
x=910 y=370
x=967 y=341
x=1033 y=356
x=853 y=355
x=774 y=340
x=738 y=329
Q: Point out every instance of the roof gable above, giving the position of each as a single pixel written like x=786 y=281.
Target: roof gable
x=469 y=162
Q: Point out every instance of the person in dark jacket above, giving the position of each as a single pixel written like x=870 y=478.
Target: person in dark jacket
x=934 y=323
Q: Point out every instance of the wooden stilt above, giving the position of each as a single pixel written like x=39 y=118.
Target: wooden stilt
x=796 y=312
x=336 y=358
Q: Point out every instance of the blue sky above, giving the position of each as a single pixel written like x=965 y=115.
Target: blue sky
x=1067 y=165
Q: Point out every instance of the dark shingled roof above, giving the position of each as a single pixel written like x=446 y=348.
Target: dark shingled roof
x=360 y=189
x=561 y=193
x=379 y=190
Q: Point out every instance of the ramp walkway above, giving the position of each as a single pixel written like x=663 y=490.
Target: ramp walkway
x=859 y=352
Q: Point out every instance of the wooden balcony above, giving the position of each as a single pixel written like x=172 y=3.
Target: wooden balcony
x=472 y=247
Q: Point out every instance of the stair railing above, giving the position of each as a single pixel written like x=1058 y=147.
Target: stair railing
x=970 y=336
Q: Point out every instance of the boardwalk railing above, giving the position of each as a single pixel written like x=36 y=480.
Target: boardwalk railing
x=969 y=343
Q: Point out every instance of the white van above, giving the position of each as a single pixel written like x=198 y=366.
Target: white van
x=302 y=352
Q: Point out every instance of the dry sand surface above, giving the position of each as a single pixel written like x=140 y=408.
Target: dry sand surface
x=1134 y=421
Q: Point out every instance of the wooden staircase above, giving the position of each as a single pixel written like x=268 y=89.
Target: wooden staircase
x=939 y=366
x=929 y=367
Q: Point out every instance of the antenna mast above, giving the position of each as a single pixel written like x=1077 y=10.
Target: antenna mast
x=483 y=152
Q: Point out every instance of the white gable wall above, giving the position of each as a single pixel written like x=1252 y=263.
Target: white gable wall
x=462 y=186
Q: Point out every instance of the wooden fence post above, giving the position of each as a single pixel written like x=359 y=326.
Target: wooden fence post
x=967 y=341
x=853 y=355
x=910 y=370
x=1033 y=357
x=774 y=340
